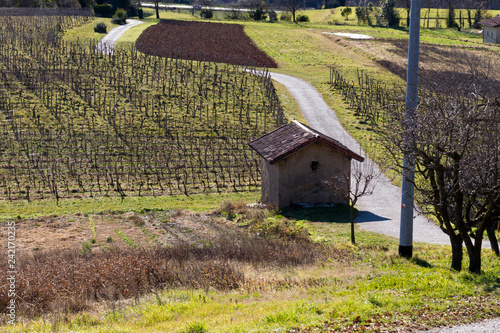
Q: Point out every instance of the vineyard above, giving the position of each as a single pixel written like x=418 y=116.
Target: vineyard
x=453 y=74
x=76 y=123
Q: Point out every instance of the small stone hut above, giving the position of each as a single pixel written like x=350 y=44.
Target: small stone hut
x=303 y=166
x=491 y=31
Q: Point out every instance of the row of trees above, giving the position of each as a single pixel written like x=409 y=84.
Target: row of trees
x=387 y=14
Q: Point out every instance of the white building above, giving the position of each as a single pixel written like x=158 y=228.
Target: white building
x=491 y=31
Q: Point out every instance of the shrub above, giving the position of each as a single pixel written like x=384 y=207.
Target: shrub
x=388 y=15
x=258 y=14
x=140 y=13
x=346 y=12
x=206 y=14
x=234 y=14
x=302 y=18
x=120 y=16
x=86 y=247
x=100 y=28
x=132 y=11
x=273 y=17
x=285 y=16
x=104 y=10
x=196 y=328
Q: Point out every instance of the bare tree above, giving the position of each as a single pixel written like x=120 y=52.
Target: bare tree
x=451 y=12
x=157 y=8
x=407 y=6
x=359 y=182
x=457 y=154
x=292 y=6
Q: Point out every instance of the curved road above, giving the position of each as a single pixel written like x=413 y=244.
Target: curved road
x=107 y=43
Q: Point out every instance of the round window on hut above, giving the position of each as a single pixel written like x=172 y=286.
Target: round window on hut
x=314 y=166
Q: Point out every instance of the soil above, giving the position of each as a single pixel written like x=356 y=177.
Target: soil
x=144 y=230
x=203 y=41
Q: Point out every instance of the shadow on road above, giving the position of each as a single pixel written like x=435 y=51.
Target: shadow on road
x=365 y=216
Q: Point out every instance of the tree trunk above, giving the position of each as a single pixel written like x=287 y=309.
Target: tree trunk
x=456 y=252
x=351 y=214
x=474 y=253
x=451 y=16
x=493 y=238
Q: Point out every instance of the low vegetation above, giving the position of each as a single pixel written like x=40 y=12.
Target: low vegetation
x=296 y=271
x=232 y=268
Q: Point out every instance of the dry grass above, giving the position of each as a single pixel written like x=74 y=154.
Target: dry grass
x=68 y=281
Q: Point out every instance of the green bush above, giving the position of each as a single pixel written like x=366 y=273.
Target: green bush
x=285 y=16
x=100 y=28
x=104 y=10
x=273 y=17
x=120 y=16
x=302 y=18
x=258 y=14
x=206 y=14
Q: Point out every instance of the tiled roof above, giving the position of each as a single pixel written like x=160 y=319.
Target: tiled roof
x=492 y=22
x=292 y=137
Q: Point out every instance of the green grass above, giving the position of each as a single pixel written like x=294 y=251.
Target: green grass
x=198 y=202
x=87 y=30
x=377 y=284
x=126 y=239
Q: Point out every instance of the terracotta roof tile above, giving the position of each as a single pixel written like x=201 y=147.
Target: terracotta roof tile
x=492 y=22
x=292 y=137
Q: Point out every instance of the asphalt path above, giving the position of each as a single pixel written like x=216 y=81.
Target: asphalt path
x=107 y=43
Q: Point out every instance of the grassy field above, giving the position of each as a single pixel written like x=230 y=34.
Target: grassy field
x=362 y=287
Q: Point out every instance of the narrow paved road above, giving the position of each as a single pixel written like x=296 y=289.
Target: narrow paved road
x=107 y=43
x=379 y=212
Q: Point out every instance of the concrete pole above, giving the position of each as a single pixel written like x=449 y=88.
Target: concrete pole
x=406 y=228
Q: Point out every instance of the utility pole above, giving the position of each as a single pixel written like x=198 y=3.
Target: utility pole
x=406 y=227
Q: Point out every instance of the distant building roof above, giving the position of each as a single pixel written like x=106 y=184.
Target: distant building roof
x=288 y=139
x=491 y=22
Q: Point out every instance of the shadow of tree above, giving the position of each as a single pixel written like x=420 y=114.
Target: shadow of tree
x=335 y=214
x=421 y=262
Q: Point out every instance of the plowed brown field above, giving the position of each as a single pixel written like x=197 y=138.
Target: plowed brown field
x=214 y=42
